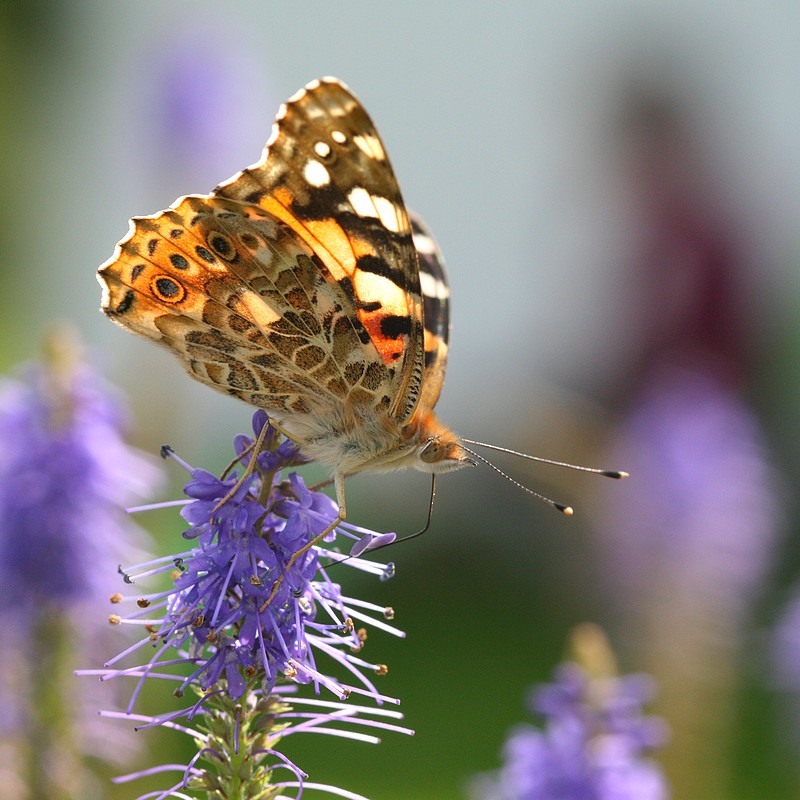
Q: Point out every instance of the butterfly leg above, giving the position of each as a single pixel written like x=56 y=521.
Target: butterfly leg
x=234 y=461
x=338 y=480
x=255 y=449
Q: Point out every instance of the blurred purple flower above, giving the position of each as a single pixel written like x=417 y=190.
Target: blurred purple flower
x=64 y=470
x=688 y=540
x=210 y=102
x=245 y=623
x=593 y=744
x=786 y=648
x=686 y=546
x=701 y=508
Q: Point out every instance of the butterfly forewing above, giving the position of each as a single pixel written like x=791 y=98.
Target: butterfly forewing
x=325 y=173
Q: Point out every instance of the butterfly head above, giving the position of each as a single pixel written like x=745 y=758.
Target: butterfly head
x=443 y=455
x=438 y=448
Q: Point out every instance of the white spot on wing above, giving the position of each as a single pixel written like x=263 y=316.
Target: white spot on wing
x=322 y=149
x=316 y=174
x=424 y=244
x=338 y=137
x=300 y=92
x=361 y=200
x=433 y=287
x=370 y=146
x=275 y=131
x=387 y=213
x=373 y=205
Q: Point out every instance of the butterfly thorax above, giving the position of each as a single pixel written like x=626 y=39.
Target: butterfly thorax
x=377 y=442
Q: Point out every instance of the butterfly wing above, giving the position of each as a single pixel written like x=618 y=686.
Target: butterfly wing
x=242 y=302
x=325 y=173
x=436 y=311
x=286 y=290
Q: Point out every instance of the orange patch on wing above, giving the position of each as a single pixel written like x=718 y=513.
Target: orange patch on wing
x=433 y=342
x=390 y=349
x=363 y=247
x=371 y=288
x=334 y=240
x=325 y=237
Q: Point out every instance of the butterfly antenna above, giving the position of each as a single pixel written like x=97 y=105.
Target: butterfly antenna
x=427 y=521
x=565 y=510
x=608 y=473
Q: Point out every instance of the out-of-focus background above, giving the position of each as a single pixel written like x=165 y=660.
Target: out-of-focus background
x=616 y=189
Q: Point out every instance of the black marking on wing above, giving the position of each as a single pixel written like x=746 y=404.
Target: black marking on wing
x=379 y=266
x=394 y=326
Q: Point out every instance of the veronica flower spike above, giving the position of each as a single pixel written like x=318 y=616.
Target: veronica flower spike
x=65 y=470
x=595 y=741
x=252 y=634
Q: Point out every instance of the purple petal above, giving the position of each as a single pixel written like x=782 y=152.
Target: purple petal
x=372 y=541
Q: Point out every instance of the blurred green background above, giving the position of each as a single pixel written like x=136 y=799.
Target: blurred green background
x=548 y=145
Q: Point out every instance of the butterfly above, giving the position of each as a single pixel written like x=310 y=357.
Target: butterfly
x=303 y=286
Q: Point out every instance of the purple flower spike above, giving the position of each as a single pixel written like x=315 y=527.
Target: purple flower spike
x=245 y=625
x=64 y=473
x=593 y=744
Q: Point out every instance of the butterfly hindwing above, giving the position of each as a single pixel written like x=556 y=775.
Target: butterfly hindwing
x=436 y=305
x=244 y=304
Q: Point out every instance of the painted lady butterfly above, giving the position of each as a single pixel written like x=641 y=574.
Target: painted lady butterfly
x=302 y=286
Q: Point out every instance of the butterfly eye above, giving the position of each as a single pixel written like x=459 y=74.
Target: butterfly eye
x=431 y=452
x=222 y=245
